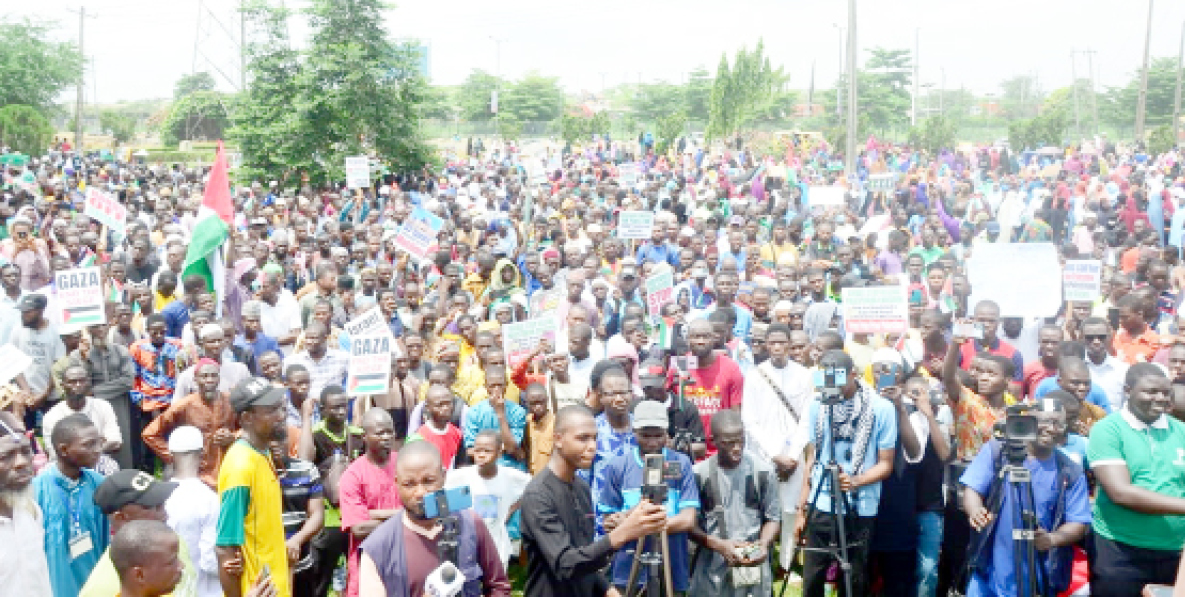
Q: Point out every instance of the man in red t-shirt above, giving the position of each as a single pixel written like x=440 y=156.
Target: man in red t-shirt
x=438 y=428
x=715 y=383
x=1049 y=341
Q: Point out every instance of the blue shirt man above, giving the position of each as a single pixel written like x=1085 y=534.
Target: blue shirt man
x=76 y=532
x=661 y=252
x=176 y=315
x=483 y=416
x=1095 y=396
x=620 y=490
x=1046 y=472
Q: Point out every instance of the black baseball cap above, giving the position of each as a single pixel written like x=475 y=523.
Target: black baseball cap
x=255 y=391
x=131 y=486
x=652 y=372
x=30 y=302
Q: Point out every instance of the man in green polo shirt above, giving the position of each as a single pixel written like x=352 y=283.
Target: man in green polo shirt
x=1138 y=457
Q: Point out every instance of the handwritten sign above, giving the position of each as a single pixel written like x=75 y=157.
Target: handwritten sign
x=358 y=172
x=419 y=232
x=1082 y=280
x=371 y=322
x=628 y=174
x=881 y=182
x=875 y=310
x=106 y=210
x=635 y=224
x=660 y=290
x=370 y=365
x=520 y=339
x=80 y=296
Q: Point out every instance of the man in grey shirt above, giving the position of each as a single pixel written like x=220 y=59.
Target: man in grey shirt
x=111 y=374
x=37 y=338
x=740 y=517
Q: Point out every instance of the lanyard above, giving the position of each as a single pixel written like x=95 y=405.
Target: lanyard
x=75 y=513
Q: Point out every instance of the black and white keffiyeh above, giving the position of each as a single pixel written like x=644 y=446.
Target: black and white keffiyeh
x=853 y=423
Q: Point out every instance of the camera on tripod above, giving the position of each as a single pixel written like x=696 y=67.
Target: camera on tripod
x=1016 y=432
x=830 y=381
x=656 y=475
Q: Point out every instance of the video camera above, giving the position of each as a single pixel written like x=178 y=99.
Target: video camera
x=656 y=474
x=1016 y=431
x=830 y=381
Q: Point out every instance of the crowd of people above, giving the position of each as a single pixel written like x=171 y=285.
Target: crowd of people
x=204 y=441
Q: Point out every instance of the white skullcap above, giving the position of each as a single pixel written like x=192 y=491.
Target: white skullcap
x=210 y=329
x=783 y=306
x=186 y=438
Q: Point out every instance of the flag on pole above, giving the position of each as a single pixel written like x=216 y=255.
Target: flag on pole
x=214 y=219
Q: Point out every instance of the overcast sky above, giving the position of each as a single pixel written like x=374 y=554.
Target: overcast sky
x=140 y=47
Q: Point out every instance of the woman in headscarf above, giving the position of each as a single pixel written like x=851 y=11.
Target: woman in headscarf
x=30 y=254
x=1131 y=212
x=505 y=282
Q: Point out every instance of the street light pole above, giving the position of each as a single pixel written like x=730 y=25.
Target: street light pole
x=1142 y=100
x=850 y=150
x=1074 y=79
x=838 y=97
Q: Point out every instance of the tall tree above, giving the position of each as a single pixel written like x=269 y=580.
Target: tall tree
x=362 y=93
x=885 y=87
x=473 y=97
x=1118 y=104
x=120 y=126
x=24 y=129
x=655 y=100
x=268 y=123
x=187 y=84
x=699 y=93
x=1021 y=96
x=33 y=69
x=534 y=98
x=743 y=91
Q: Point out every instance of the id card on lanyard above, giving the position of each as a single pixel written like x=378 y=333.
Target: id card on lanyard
x=80 y=540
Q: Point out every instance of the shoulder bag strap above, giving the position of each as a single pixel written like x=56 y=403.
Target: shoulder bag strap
x=718 y=504
x=778 y=392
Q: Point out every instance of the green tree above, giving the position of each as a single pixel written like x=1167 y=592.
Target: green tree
x=742 y=91
x=473 y=97
x=269 y=126
x=667 y=130
x=534 y=98
x=884 y=87
x=652 y=101
x=1021 y=97
x=362 y=94
x=187 y=84
x=1160 y=140
x=438 y=103
x=573 y=128
x=33 y=69
x=117 y=124
x=699 y=93
x=936 y=133
x=199 y=115
x=1118 y=104
x=24 y=129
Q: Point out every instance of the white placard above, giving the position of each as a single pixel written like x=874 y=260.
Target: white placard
x=1025 y=279
x=826 y=196
x=1082 y=280
x=358 y=172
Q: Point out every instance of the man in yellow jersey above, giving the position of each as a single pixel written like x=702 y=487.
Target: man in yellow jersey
x=250 y=522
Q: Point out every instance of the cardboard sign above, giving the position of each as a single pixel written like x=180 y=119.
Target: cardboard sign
x=358 y=172
x=106 y=210
x=628 y=174
x=876 y=310
x=1082 y=280
x=881 y=182
x=635 y=224
x=660 y=290
x=520 y=339
x=419 y=232
x=80 y=296
x=545 y=302
x=1024 y=279
x=826 y=196
x=370 y=322
x=370 y=365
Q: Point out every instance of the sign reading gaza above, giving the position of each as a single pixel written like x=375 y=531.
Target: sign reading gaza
x=80 y=296
x=370 y=365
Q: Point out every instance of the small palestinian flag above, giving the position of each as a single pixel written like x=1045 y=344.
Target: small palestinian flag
x=370 y=383
x=83 y=315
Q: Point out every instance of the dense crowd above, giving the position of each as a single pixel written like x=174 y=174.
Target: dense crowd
x=206 y=438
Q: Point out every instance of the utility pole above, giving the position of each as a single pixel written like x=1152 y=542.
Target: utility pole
x=242 y=45
x=1177 y=95
x=1142 y=100
x=1074 y=82
x=1094 y=95
x=81 y=84
x=850 y=150
x=838 y=96
x=913 y=100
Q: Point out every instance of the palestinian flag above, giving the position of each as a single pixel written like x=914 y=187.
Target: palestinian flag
x=214 y=219
x=369 y=383
x=87 y=315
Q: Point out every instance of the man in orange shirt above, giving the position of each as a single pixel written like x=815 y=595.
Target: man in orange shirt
x=1135 y=342
x=210 y=411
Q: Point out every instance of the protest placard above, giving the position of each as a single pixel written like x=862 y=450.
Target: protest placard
x=106 y=210
x=881 y=182
x=875 y=310
x=370 y=365
x=635 y=224
x=358 y=172
x=628 y=174
x=370 y=322
x=660 y=290
x=80 y=296
x=1024 y=279
x=519 y=339
x=13 y=362
x=418 y=232
x=826 y=196
x=1082 y=280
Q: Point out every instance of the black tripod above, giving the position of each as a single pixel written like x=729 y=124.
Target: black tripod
x=657 y=560
x=840 y=508
x=1016 y=480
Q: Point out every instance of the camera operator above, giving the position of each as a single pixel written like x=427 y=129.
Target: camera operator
x=1138 y=458
x=865 y=426
x=1060 y=499
x=685 y=427
x=620 y=488
x=398 y=557
x=562 y=556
